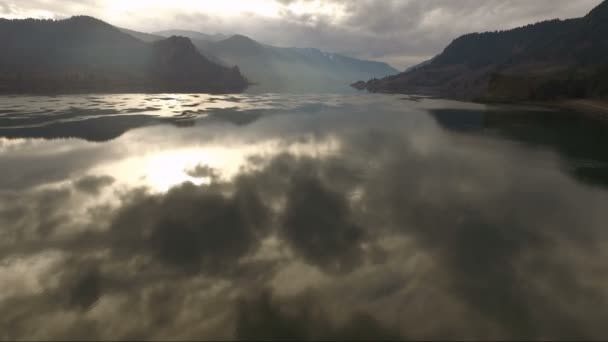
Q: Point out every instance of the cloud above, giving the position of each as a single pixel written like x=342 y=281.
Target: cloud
x=191 y=229
x=263 y=318
x=93 y=184
x=26 y=215
x=317 y=223
x=203 y=171
x=5 y=9
x=38 y=168
x=82 y=283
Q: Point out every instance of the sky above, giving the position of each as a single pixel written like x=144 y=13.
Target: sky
x=400 y=32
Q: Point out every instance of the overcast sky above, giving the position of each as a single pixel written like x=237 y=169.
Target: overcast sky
x=401 y=32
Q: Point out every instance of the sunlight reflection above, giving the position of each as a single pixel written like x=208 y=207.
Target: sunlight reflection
x=170 y=168
x=9 y=144
x=165 y=169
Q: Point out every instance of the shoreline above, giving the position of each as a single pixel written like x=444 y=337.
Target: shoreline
x=584 y=105
x=593 y=108
x=597 y=108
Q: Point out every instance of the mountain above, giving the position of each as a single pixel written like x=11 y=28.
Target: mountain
x=193 y=35
x=146 y=37
x=420 y=65
x=544 y=61
x=293 y=69
x=277 y=69
x=83 y=54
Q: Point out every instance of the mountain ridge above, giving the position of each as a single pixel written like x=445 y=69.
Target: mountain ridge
x=85 y=54
x=277 y=69
x=195 y=35
x=548 y=60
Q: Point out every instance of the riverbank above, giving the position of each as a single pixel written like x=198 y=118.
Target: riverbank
x=593 y=107
x=590 y=107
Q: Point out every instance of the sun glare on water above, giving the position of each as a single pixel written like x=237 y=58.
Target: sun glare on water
x=164 y=170
x=159 y=171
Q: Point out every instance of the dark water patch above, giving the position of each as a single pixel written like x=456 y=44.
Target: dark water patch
x=232 y=99
x=140 y=110
x=162 y=99
x=573 y=136
x=45 y=116
x=94 y=129
x=191 y=105
x=235 y=116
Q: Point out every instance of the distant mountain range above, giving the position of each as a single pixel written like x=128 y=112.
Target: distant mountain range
x=83 y=54
x=145 y=37
x=277 y=69
x=545 y=61
x=291 y=69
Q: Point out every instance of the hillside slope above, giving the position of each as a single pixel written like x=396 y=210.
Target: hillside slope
x=277 y=69
x=145 y=37
x=544 y=61
x=83 y=54
x=294 y=69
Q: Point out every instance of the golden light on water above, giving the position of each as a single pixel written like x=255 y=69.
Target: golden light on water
x=161 y=170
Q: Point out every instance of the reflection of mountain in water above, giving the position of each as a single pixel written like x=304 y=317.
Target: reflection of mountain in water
x=581 y=142
x=96 y=129
x=104 y=122
x=107 y=128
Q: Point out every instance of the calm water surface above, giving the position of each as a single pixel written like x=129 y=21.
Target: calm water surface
x=300 y=217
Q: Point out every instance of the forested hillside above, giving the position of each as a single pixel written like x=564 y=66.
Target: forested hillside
x=83 y=54
x=543 y=61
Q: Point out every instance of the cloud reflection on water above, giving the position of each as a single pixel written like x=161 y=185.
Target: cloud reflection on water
x=364 y=219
